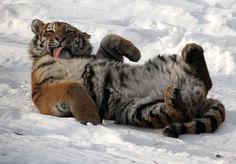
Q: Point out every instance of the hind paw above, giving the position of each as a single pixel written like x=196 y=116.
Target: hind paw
x=170 y=131
x=193 y=55
x=192 y=52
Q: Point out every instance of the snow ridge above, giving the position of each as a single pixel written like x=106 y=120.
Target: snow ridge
x=156 y=27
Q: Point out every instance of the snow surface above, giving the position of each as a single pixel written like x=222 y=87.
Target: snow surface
x=155 y=26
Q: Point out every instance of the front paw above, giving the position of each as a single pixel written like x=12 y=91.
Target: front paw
x=89 y=117
x=82 y=105
x=173 y=97
x=121 y=47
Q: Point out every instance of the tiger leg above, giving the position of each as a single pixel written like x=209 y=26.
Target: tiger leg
x=193 y=55
x=66 y=99
x=212 y=114
x=149 y=111
x=114 y=47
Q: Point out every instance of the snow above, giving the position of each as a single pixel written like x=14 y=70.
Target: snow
x=155 y=26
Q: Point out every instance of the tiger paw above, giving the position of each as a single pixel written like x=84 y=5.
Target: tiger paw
x=173 y=97
x=193 y=55
x=88 y=117
x=192 y=52
x=115 y=47
x=170 y=131
x=82 y=105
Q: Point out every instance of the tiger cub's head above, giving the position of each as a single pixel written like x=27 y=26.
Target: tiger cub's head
x=59 y=40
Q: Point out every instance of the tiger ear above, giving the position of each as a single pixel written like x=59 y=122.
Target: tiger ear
x=36 y=25
x=87 y=36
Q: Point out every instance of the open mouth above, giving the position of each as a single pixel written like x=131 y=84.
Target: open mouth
x=60 y=52
x=57 y=51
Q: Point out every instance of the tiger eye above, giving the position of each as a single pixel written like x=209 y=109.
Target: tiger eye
x=50 y=31
x=70 y=31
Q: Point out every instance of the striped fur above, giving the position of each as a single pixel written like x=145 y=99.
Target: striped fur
x=166 y=92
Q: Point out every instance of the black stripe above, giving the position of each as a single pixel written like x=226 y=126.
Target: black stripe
x=88 y=75
x=106 y=53
x=183 y=128
x=221 y=112
x=213 y=122
x=168 y=71
x=36 y=97
x=46 y=64
x=163 y=111
x=122 y=112
x=123 y=77
x=106 y=94
x=133 y=71
x=107 y=78
x=162 y=58
x=221 y=106
x=90 y=49
x=157 y=117
x=142 y=106
x=104 y=105
x=173 y=57
x=35 y=92
x=139 y=109
x=125 y=106
x=35 y=56
x=153 y=64
x=148 y=68
x=200 y=127
x=138 y=115
x=48 y=79
x=143 y=122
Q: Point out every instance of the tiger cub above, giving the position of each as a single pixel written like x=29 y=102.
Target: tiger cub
x=167 y=92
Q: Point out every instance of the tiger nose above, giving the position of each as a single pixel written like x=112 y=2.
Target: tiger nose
x=60 y=38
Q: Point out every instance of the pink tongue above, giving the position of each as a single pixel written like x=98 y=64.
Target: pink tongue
x=57 y=51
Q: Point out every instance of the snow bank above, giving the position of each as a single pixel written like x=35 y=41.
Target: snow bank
x=155 y=26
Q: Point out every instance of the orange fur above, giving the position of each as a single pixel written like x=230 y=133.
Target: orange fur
x=175 y=115
x=81 y=104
